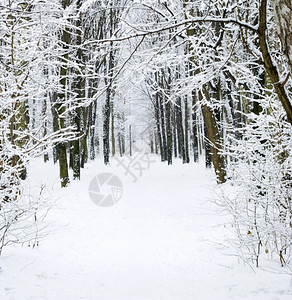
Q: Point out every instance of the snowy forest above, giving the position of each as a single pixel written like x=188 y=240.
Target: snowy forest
x=189 y=82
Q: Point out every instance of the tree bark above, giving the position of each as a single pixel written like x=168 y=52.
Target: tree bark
x=268 y=62
x=283 y=16
x=213 y=136
x=59 y=105
x=187 y=155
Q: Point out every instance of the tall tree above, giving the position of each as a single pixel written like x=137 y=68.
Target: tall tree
x=59 y=99
x=283 y=12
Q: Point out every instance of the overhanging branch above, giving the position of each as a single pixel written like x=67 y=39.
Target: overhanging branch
x=184 y=23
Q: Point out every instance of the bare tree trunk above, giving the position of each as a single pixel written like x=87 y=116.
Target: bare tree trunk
x=163 y=127
x=187 y=132
x=60 y=108
x=213 y=136
x=158 y=121
x=180 y=131
x=44 y=113
x=194 y=128
x=83 y=141
x=169 y=132
x=106 y=127
x=113 y=129
x=283 y=14
x=206 y=146
x=92 y=129
x=269 y=64
x=130 y=139
x=174 y=133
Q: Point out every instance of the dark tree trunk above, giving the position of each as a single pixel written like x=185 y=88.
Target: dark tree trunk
x=208 y=157
x=213 y=136
x=269 y=64
x=113 y=130
x=174 y=133
x=283 y=13
x=180 y=131
x=169 y=133
x=187 y=155
x=158 y=126
x=194 y=128
x=163 y=128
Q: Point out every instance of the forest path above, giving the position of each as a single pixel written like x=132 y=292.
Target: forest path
x=161 y=241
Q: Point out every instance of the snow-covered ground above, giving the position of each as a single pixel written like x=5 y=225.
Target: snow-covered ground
x=162 y=241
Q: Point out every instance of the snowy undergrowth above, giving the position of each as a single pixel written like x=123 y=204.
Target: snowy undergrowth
x=164 y=239
x=260 y=201
x=21 y=210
